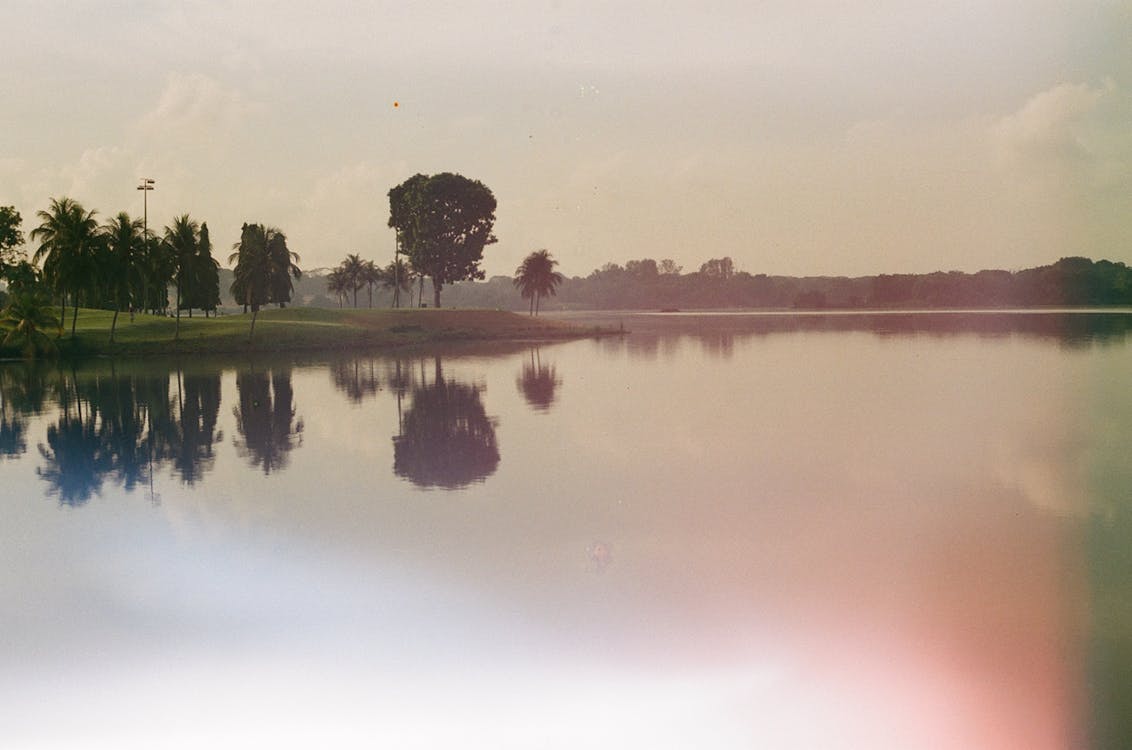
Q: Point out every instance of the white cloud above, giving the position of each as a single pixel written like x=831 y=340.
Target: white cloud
x=197 y=108
x=1051 y=124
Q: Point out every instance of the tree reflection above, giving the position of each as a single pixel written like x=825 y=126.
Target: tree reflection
x=121 y=427
x=199 y=406
x=23 y=392
x=537 y=382
x=446 y=438
x=355 y=379
x=77 y=463
x=265 y=418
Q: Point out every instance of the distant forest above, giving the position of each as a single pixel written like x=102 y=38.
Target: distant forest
x=647 y=284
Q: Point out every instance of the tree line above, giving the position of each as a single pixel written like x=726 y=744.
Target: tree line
x=121 y=265
x=648 y=284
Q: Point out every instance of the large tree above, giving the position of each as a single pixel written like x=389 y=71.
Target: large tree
x=69 y=241
x=536 y=278
x=443 y=223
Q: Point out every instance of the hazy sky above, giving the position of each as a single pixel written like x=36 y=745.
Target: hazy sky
x=796 y=136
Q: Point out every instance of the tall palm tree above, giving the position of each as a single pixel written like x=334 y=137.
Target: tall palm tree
x=353 y=269
x=68 y=242
x=252 y=274
x=182 y=237
x=370 y=276
x=338 y=284
x=397 y=277
x=535 y=277
x=283 y=266
x=156 y=271
x=122 y=262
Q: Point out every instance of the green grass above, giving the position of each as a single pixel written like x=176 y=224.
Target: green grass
x=302 y=329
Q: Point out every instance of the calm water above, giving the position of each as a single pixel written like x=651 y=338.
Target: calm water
x=843 y=532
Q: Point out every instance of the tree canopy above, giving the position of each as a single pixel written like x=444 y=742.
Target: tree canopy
x=536 y=278
x=443 y=223
x=11 y=238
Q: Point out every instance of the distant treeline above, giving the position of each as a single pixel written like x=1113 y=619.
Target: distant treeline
x=651 y=285
x=643 y=284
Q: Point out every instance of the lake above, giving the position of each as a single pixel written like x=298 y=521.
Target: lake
x=894 y=532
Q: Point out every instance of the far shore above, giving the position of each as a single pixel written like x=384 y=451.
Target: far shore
x=305 y=329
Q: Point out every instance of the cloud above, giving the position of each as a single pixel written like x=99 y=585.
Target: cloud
x=1050 y=125
x=197 y=108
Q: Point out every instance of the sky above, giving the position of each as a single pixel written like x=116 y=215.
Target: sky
x=799 y=137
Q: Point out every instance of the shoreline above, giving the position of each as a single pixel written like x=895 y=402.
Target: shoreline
x=304 y=330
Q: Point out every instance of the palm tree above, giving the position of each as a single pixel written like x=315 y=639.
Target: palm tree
x=68 y=241
x=282 y=267
x=338 y=284
x=397 y=278
x=252 y=274
x=26 y=318
x=121 y=266
x=535 y=277
x=353 y=268
x=182 y=237
x=264 y=269
x=371 y=275
x=155 y=273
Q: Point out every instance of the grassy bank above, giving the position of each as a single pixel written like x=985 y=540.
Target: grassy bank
x=303 y=329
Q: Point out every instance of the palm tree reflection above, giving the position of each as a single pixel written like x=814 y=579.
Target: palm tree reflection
x=199 y=406
x=265 y=418
x=537 y=382
x=77 y=462
x=355 y=378
x=446 y=438
x=23 y=392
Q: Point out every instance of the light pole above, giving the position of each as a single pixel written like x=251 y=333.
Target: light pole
x=145 y=186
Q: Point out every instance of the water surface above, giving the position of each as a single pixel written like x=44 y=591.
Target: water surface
x=817 y=532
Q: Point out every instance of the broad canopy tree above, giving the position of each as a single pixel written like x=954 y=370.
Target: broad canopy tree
x=443 y=223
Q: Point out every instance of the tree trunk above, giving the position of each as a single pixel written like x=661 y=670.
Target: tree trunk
x=537 y=299
x=251 y=333
x=532 y=310
x=74 y=313
x=436 y=292
x=113 y=324
x=177 y=330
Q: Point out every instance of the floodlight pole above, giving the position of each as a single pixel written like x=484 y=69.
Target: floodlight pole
x=145 y=186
